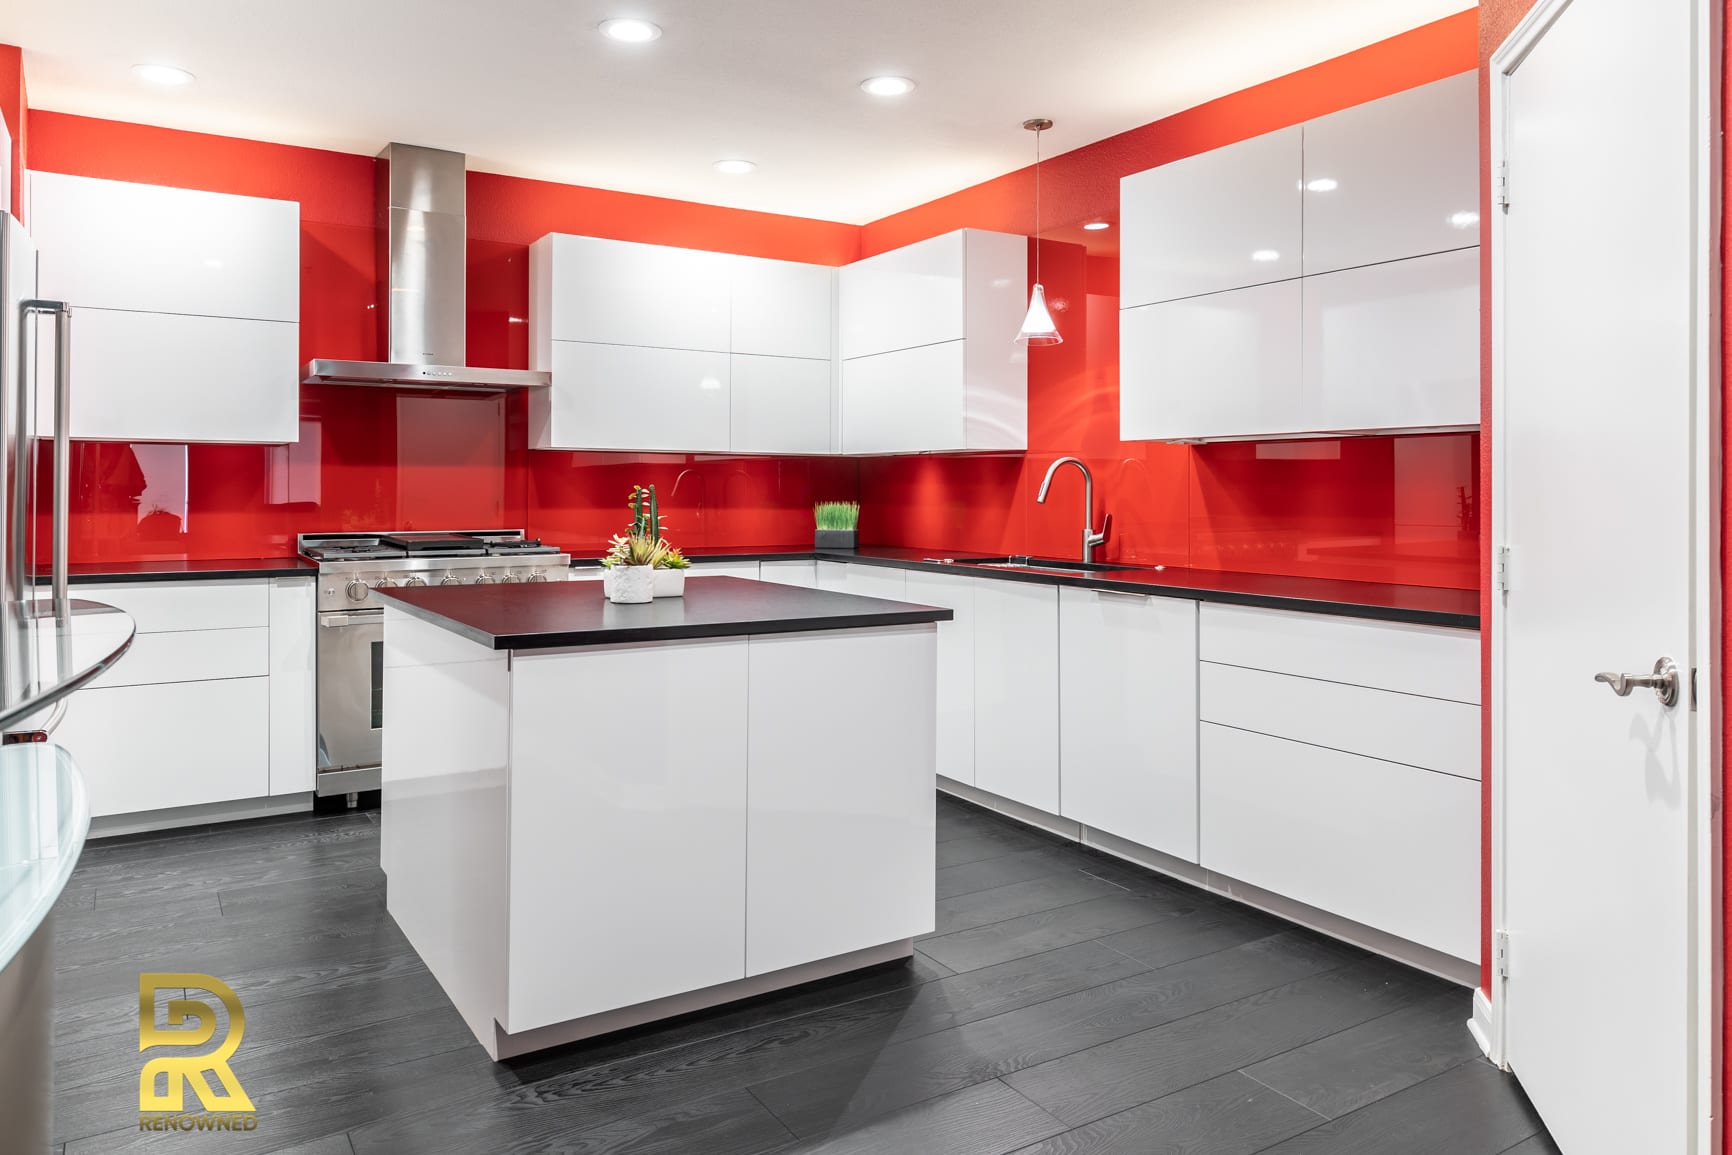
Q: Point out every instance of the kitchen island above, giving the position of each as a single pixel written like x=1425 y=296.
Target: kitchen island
x=596 y=816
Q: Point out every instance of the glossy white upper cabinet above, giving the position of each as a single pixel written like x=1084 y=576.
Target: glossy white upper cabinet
x=186 y=310
x=1213 y=366
x=781 y=404
x=927 y=337
x=1223 y=219
x=782 y=308
x=110 y=244
x=1128 y=716
x=625 y=293
x=1393 y=178
x=905 y=401
x=632 y=398
x=1393 y=345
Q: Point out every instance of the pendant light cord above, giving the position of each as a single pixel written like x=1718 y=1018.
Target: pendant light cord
x=1037 y=133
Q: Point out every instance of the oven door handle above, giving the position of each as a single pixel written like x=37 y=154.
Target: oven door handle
x=352 y=618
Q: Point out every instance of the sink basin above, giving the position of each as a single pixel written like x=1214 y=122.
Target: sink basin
x=1046 y=565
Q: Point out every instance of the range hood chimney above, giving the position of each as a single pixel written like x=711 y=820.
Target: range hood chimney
x=422 y=238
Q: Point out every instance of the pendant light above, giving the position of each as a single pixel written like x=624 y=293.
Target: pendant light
x=1037 y=327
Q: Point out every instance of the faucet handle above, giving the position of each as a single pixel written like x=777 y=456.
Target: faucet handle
x=1094 y=538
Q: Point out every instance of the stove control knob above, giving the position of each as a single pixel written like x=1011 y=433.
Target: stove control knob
x=449 y=579
x=537 y=576
x=482 y=579
x=383 y=583
x=357 y=590
x=511 y=577
x=414 y=581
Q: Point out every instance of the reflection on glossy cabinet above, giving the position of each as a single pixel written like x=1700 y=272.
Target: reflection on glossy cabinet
x=625 y=293
x=1393 y=178
x=1222 y=219
x=781 y=404
x=1394 y=345
x=1224 y=365
x=627 y=397
x=1016 y=753
x=1128 y=716
x=906 y=401
x=955 y=668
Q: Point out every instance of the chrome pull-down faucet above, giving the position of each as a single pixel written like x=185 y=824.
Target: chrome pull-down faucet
x=1090 y=538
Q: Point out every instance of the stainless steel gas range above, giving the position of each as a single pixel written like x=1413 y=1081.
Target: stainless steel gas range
x=350 y=659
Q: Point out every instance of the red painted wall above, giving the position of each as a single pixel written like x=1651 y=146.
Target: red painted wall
x=12 y=106
x=1374 y=509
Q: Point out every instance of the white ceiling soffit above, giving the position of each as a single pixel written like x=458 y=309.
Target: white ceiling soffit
x=530 y=88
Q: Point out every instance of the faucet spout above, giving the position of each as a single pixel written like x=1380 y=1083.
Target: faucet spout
x=1090 y=539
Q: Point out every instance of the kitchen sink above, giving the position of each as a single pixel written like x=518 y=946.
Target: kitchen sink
x=1044 y=565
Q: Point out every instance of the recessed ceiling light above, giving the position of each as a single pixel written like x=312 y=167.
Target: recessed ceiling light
x=735 y=167
x=1323 y=184
x=1265 y=255
x=630 y=31
x=1097 y=226
x=1465 y=219
x=164 y=74
x=887 y=85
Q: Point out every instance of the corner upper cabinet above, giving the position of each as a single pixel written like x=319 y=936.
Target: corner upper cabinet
x=186 y=322
x=927 y=338
x=653 y=347
x=1225 y=219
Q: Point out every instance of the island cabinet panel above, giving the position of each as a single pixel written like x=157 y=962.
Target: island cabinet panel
x=1016 y=691
x=955 y=668
x=838 y=860
x=628 y=826
x=1128 y=716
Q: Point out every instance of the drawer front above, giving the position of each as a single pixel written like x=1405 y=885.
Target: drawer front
x=166 y=607
x=1427 y=732
x=1384 y=845
x=789 y=573
x=1425 y=660
x=192 y=656
x=738 y=569
x=179 y=744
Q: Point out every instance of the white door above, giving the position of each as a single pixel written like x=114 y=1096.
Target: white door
x=1598 y=452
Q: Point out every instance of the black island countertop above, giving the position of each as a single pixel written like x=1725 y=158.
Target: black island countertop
x=558 y=615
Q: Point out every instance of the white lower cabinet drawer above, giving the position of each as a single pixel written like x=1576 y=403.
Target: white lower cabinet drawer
x=789 y=573
x=737 y=569
x=1428 y=732
x=166 y=606
x=1389 y=846
x=192 y=656
x=175 y=744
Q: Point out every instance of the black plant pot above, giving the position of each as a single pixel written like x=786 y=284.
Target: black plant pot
x=836 y=538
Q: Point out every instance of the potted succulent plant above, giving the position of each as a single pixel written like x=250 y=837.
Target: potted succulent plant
x=838 y=524
x=640 y=565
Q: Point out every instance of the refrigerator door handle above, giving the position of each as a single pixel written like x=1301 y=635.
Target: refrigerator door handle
x=22 y=472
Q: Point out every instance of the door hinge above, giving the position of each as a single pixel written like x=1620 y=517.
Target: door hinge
x=1500 y=954
x=1500 y=188
x=1500 y=569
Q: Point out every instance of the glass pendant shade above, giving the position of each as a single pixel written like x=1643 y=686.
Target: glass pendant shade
x=1037 y=327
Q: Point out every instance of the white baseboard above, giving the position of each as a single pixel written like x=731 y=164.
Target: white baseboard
x=1432 y=961
x=110 y=825
x=1481 y=1028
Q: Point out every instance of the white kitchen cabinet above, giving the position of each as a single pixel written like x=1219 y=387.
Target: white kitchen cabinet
x=927 y=337
x=833 y=575
x=294 y=732
x=186 y=310
x=625 y=293
x=955 y=667
x=1216 y=366
x=1016 y=751
x=1224 y=219
x=1128 y=716
x=735 y=569
x=632 y=398
x=1393 y=178
x=789 y=573
x=833 y=862
x=782 y=308
x=1394 y=345
x=876 y=581
x=1389 y=846
x=781 y=404
x=905 y=401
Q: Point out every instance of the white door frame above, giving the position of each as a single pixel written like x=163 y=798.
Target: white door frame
x=1705 y=754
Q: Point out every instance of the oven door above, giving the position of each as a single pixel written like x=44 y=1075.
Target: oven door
x=351 y=680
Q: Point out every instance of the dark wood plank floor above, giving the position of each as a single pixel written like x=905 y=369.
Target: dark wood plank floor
x=1066 y=1004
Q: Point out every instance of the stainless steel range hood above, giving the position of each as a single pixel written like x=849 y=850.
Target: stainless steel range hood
x=422 y=238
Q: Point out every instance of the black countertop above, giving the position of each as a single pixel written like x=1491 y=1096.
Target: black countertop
x=1380 y=601
x=85 y=573
x=555 y=615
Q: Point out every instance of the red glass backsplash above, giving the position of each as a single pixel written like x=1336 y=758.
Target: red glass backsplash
x=1391 y=509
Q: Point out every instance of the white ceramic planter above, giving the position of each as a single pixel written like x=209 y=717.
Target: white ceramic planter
x=670 y=583
x=629 y=584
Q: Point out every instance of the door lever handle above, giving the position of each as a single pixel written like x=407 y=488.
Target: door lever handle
x=1663 y=681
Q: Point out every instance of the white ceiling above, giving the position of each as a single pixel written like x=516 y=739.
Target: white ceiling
x=528 y=87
